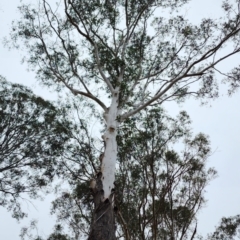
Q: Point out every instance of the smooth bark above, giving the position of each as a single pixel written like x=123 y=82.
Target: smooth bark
x=103 y=224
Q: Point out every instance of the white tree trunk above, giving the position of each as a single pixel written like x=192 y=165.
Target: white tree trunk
x=110 y=154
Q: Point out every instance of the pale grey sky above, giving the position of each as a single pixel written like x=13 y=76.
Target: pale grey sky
x=221 y=122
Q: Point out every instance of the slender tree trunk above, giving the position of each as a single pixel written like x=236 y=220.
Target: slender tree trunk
x=103 y=223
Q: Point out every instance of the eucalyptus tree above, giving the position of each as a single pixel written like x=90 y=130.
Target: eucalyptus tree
x=33 y=133
x=160 y=182
x=125 y=56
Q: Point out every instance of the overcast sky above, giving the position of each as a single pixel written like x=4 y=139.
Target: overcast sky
x=220 y=120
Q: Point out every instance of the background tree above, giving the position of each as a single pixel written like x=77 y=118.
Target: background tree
x=229 y=228
x=160 y=181
x=124 y=51
x=164 y=172
x=33 y=133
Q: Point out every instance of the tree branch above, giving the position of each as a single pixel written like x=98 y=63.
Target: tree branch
x=75 y=92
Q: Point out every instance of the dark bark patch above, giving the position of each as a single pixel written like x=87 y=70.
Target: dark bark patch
x=103 y=223
x=115 y=209
x=111 y=129
x=99 y=175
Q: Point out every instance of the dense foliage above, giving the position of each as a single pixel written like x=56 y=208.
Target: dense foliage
x=33 y=133
x=229 y=228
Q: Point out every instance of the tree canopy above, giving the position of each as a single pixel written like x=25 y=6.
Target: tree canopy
x=94 y=48
x=128 y=57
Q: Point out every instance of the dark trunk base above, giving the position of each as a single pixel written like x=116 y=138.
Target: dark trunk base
x=103 y=223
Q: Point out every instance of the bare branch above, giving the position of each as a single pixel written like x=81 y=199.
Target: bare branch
x=105 y=79
x=64 y=47
x=75 y=92
x=194 y=233
x=85 y=35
